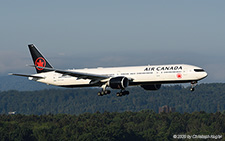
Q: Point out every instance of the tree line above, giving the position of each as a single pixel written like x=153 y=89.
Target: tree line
x=207 y=97
x=142 y=125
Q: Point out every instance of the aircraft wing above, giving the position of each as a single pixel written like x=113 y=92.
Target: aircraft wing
x=79 y=75
x=26 y=75
x=82 y=75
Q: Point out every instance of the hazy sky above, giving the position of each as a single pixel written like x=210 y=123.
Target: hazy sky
x=91 y=33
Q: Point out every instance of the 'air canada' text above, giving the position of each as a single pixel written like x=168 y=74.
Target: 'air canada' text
x=169 y=68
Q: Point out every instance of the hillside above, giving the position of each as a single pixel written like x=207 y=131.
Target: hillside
x=207 y=97
x=145 y=125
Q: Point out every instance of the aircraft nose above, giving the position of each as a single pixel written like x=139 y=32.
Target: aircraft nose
x=201 y=73
x=205 y=74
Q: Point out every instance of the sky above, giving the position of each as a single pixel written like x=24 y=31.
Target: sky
x=100 y=33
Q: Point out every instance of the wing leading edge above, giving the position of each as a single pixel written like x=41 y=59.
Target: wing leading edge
x=79 y=75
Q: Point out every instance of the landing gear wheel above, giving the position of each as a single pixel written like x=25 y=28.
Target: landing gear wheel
x=122 y=93
x=100 y=94
x=193 y=85
x=104 y=93
x=107 y=92
x=126 y=92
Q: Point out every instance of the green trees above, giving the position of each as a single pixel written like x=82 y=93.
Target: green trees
x=207 y=97
x=40 y=115
x=143 y=125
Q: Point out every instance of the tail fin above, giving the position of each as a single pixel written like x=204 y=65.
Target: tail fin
x=39 y=59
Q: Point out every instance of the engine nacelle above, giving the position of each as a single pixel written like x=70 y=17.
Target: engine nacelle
x=151 y=87
x=118 y=82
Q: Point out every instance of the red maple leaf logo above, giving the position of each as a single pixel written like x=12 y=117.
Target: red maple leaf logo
x=40 y=62
x=179 y=75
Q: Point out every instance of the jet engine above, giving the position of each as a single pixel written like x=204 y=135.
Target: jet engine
x=151 y=87
x=118 y=82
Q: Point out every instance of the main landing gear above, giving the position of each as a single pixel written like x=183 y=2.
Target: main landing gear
x=122 y=93
x=193 y=85
x=105 y=92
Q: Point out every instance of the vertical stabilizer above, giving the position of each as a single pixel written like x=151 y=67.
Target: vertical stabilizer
x=39 y=59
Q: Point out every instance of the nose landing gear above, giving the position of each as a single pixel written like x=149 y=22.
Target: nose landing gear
x=193 y=85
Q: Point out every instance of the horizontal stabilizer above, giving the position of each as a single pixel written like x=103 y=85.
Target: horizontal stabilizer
x=26 y=75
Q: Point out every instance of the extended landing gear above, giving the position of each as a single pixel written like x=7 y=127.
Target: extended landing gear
x=192 y=89
x=122 y=93
x=104 y=93
x=193 y=85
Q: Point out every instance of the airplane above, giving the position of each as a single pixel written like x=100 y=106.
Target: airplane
x=149 y=77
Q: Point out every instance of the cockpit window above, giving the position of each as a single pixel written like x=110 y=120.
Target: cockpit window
x=198 y=70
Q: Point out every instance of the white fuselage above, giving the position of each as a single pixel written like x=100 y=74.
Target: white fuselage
x=156 y=74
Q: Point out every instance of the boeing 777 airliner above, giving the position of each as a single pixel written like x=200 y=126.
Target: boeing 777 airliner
x=148 y=77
